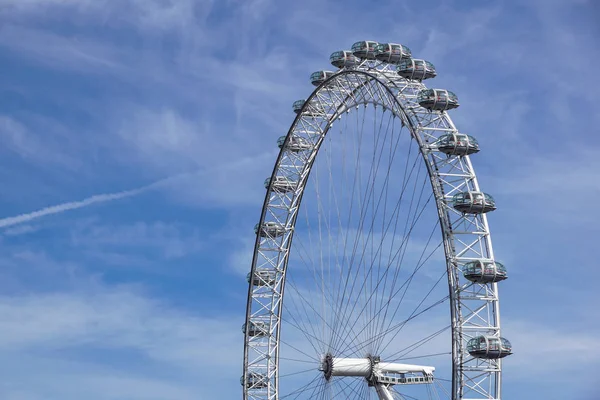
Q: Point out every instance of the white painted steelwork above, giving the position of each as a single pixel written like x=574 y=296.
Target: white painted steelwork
x=474 y=306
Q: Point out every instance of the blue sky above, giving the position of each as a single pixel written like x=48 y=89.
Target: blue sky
x=136 y=134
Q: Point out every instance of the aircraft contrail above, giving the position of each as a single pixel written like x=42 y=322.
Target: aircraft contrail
x=73 y=205
x=106 y=197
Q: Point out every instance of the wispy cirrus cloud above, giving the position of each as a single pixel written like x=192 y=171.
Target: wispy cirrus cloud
x=50 y=149
x=61 y=332
x=150 y=14
x=140 y=90
x=165 y=241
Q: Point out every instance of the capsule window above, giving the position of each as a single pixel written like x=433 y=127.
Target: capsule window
x=405 y=64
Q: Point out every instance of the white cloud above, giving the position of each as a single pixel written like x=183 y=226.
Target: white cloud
x=49 y=147
x=240 y=259
x=171 y=240
x=232 y=166
x=165 y=140
x=554 y=188
x=21 y=230
x=185 y=350
x=46 y=381
x=215 y=187
x=213 y=96
x=17 y=137
x=543 y=351
x=142 y=14
x=457 y=31
x=66 y=53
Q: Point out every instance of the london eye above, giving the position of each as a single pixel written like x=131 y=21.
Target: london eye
x=373 y=275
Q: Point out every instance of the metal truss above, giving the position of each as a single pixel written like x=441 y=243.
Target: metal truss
x=474 y=307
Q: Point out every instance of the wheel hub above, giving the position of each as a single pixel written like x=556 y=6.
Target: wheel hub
x=374 y=371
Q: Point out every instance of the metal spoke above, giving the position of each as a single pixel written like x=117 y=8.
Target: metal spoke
x=350 y=228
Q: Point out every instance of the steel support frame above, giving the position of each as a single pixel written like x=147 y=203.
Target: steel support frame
x=474 y=307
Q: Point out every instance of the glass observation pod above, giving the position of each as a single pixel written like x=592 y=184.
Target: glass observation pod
x=365 y=49
x=473 y=202
x=313 y=109
x=318 y=77
x=256 y=329
x=417 y=70
x=298 y=104
x=457 y=144
x=489 y=347
x=281 y=184
x=262 y=277
x=295 y=144
x=392 y=53
x=255 y=380
x=437 y=99
x=269 y=229
x=484 y=271
x=343 y=58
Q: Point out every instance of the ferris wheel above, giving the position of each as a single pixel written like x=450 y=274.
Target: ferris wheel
x=378 y=304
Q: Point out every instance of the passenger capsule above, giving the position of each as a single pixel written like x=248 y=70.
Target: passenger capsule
x=318 y=77
x=343 y=58
x=269 y=229
x=417 y=70
x=295 y=144
x=392 y=53
x=489 y=347
x=437 y=99
x=473 y=202
x=484 y=271
x=262 y=277
x=255 y=380
x=457 y=144
x=365 y=49
x=256 y=329
x=312 y=109
x=281 y=184
x=298 y=104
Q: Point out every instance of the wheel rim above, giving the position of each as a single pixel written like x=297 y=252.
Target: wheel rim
x=474 y=307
